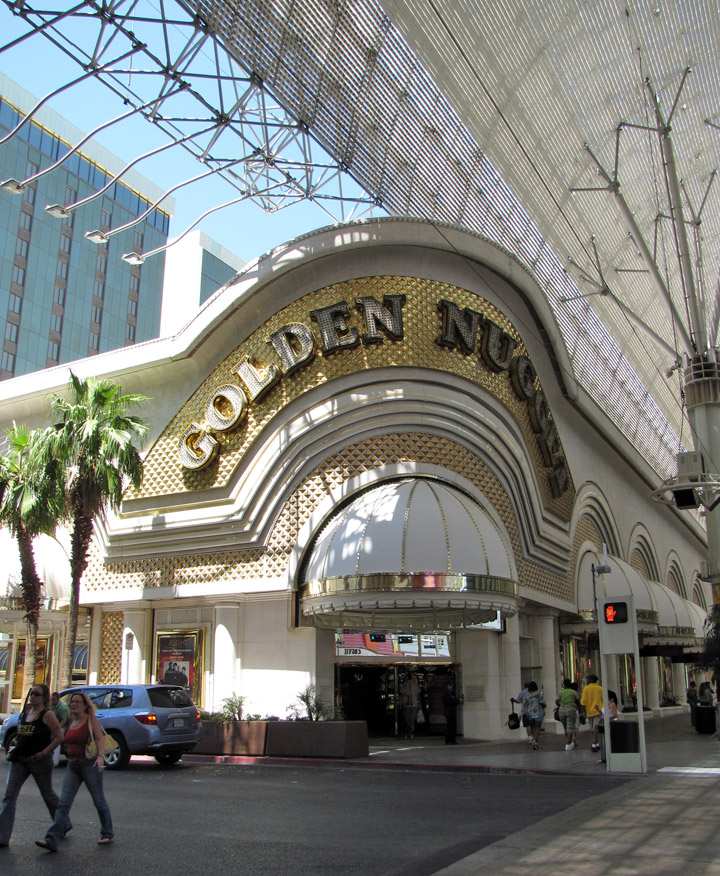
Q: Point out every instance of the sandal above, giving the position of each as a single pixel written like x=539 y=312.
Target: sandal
x=104 y=840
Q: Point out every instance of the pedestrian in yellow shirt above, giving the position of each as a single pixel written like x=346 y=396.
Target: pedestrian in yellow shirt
x=591 y=703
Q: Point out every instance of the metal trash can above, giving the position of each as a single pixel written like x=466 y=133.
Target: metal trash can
x=624 y=737
x=705 y=719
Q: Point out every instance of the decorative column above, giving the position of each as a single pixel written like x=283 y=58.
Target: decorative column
x=136 y=648
x=226 y=668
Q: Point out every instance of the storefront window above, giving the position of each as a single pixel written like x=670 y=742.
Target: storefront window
x=43 y=661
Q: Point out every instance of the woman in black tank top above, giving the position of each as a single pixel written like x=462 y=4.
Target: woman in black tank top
x=38 y=734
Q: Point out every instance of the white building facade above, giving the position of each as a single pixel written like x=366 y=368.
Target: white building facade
x=369 y=459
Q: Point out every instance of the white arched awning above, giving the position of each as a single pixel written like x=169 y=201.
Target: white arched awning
x=52 y=561
x=412 y=553
x=663 y=616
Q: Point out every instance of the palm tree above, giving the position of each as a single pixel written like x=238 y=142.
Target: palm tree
x=31 y=503
x=94 y=438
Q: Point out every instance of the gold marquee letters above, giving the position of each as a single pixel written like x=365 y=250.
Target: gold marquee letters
x=295 y=345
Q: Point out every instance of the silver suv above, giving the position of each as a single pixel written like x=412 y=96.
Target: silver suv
x=156 y=719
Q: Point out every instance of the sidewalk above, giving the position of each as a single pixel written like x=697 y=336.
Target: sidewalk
x=663 y=823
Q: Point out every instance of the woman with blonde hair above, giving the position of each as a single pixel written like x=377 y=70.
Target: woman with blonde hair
x=38 y=734
x=82 y=729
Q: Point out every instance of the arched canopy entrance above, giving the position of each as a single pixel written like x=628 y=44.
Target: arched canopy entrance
x=409 y=554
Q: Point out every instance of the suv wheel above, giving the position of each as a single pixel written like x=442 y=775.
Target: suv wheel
x=168 y=758
x=120 y=758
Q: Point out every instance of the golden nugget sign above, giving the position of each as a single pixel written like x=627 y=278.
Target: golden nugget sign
x=295 y=344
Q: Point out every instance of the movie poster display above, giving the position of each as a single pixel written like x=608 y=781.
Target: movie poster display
x=179 y=660
x=43 y=660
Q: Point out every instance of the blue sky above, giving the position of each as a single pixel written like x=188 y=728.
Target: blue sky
x=245 y=229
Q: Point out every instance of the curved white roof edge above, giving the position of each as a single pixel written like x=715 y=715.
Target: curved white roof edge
x=269 y=267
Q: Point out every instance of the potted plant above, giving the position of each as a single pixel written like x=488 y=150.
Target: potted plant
x=227 y=733
x=315 y=728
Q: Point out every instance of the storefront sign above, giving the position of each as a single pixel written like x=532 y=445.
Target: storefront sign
x=295 y=345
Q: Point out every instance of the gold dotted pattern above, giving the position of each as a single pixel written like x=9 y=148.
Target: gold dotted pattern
x=113 y=625
x=164 y=475
x=349 y=463
x=585 y=530
x=637 y=562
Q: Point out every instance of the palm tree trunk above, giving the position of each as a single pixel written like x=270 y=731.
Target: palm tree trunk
x=31 y=587
x=81 y=536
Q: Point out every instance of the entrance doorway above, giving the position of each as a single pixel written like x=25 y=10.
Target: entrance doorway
x=373 y=692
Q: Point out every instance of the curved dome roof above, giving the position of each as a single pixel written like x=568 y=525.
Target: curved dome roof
x=408 y=526
x=52 y=561
x=413 y=545
x=661 y=609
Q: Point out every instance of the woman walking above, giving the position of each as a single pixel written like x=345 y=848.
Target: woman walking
x=568 y=704
x=536 y=712
x=82 y=729
x=38 y=734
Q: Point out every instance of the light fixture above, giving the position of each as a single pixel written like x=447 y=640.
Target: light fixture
x=13 y=186
x=17 y=188
x=56 y=210
x=135 y=258
x=103 y=236
x=97 y=236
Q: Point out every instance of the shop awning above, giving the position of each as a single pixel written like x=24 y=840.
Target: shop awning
x=412 y=554
x=667 y=623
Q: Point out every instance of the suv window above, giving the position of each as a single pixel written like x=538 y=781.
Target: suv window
x=120 y=699
x=168 y=697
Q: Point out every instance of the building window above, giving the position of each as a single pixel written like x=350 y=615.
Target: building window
x=70 y=195
x=14 y=303
x=105 y=218
x=29 y=195
x=138 y=238
x=53 y=350
x=62 y=269
x=7 y=362
x=97 y=315
x=130 y=332
x=68 y=220
x=11 y=332
x=99 y=289
x=94 y=341
x=64 y=243
x=59 y=296
x=18 y=275
x=100 y=264
x=21 y=248
x=56 y=322
x=132 y=307
x=134 y=283
x=25 y=221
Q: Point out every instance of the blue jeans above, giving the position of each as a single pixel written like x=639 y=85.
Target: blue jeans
x=79 y=771
x=20 y=770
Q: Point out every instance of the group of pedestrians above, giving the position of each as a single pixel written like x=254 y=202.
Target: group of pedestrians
x=572 y=709
x=39 y=735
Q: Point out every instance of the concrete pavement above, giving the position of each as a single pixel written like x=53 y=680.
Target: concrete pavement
x=662 y=823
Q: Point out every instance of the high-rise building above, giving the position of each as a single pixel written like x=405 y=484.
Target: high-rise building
x=63 y=297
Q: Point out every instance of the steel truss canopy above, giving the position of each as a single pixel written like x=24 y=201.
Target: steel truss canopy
x=582 y=137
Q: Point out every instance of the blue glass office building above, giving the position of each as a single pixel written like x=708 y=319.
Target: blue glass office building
x=63 y=297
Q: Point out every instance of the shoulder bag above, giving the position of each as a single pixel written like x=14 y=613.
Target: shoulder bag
x=91 y=749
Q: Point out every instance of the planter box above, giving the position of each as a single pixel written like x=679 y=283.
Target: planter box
x=236 y=737
x=317 y=739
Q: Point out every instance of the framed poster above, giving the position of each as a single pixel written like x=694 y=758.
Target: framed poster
x=43 y=660
x=179 y=659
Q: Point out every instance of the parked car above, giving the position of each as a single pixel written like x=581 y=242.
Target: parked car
x=156 y=719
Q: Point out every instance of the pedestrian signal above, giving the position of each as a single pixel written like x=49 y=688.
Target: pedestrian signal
x=616 y=613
